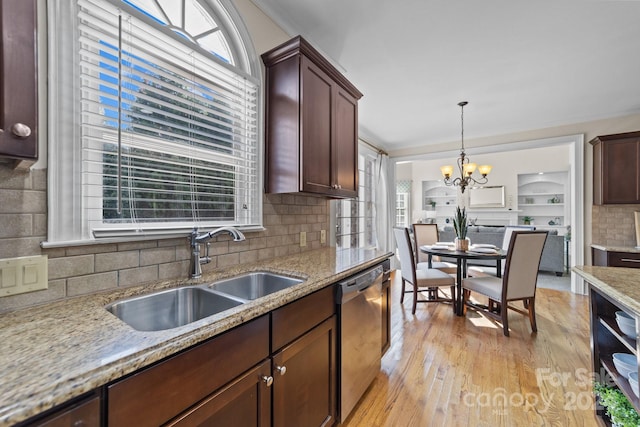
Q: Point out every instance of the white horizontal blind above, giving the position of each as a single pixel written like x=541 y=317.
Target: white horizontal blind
x=188 y=123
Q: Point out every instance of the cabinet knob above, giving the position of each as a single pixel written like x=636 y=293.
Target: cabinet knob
x=21 y=130
x=268 y=380
x=281 y=369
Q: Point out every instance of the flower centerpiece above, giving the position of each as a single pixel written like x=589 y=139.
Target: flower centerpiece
x=461 y=226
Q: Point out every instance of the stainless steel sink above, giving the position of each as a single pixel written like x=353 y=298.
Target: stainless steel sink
x=254 y=285
x=171 y=308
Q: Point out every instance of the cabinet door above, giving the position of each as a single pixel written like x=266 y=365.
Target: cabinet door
x=316 y=124
x=18 y=80
x=345 y=158
x=246 y=402
x=154 y=395
x=305 y=394
x=620 y=165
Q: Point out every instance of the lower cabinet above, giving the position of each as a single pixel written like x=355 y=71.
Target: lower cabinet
x=604 y=258
x=305 y=375
x=279 y=369
x=243 y=403
x=84 y=412
x=606 y=339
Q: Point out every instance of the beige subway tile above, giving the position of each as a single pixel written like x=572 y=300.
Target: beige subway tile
x=113 y=261
x=275 y=241
x=301 y=200
x=131 y=246
x=55 y=291
x=258 y=243
x=183 y=253
x=71 y=266
x=248 y=256
x=92 y=283
x=92 y=249
x=54 y=252
x=266 y=253
x=281 y=251
x=206 y=268
x=157 y=256
x=39 y=179
x=39 y=224
x=23 y=201
x=288 y=199
x=15 y=179
x=173 y=270
x=271 y=220
x=178 y=241
x=15 y=225
x=228 y=260
x=295 y=229
x=274 y=199
x=137 y=276
x=289 y=219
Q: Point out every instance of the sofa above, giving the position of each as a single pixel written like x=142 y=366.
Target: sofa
x=552 y=254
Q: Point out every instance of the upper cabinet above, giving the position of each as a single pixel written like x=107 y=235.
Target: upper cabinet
x=18 y=81
x=616 y=169
x=311 y=124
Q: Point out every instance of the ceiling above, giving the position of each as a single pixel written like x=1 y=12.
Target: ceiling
x=520 y=65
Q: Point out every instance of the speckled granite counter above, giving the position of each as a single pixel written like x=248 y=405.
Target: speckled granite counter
x=58 y=351
x=628 y=249
x=623 y=284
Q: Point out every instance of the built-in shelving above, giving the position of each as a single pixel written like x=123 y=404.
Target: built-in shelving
x=444 y=197
x=544 y=197
x=607 y=339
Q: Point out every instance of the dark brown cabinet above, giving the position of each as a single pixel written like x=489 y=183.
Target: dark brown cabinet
x=156 y=395
x=616 y=169
x=83 y=412
x=279 y=368
x=305 y=375
x=604 y=258
x=311 y=124
x=607 y=339
x=18 y=81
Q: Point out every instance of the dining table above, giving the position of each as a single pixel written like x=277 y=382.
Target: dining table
x=462 y=258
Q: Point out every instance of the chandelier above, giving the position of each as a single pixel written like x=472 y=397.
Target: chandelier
x=465 y=168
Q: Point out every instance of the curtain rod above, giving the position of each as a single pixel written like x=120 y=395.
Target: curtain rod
x=379 y=150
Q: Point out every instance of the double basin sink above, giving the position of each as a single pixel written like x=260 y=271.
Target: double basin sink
x=180 y=306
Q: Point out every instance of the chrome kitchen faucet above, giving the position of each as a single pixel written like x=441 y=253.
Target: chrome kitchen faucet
x=195 y=268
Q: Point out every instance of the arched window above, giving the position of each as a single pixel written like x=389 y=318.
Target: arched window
x=155 y=119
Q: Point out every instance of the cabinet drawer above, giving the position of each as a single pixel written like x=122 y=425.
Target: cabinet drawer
x=83 y=413
x=293 y=320
x=153 y=396
x=624 y=259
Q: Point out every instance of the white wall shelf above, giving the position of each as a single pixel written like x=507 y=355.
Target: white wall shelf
x=543 y=197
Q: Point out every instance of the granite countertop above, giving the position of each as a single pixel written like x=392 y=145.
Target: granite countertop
x=54 y=352
x=621 y=283
x=628 y=249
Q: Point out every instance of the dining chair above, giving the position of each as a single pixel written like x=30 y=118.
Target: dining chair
x=432 y=278
x=427 y=234
x=517 y=283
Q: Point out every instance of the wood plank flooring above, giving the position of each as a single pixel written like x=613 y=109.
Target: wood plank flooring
x=444 y=370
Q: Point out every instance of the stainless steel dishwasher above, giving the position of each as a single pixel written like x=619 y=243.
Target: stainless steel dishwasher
x=360 y=308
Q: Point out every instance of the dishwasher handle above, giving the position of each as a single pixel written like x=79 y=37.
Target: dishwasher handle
x=354 y=285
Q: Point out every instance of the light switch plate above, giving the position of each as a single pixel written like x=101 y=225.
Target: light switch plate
x=303 y=238
x=323 y=237
x=23 y=274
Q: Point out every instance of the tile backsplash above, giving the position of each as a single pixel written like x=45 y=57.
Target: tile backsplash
x=614 y=225
x=79 y=270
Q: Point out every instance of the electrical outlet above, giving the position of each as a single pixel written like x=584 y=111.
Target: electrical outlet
x=323 y=237
x=303 y=238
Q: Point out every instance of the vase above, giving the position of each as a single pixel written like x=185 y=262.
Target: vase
x=462 y=245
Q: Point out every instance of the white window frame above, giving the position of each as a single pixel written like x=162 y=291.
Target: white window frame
x=67 y=224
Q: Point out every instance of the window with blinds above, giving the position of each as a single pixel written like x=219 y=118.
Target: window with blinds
x=167 y=119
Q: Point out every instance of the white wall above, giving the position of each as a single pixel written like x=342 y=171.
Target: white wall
x=506 y=167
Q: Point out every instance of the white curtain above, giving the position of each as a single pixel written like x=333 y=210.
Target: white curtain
x=384 y=204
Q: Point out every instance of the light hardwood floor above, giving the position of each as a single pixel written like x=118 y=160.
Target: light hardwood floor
x=443 y=370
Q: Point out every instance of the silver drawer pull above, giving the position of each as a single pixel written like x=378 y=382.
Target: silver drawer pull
x=630 y=260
